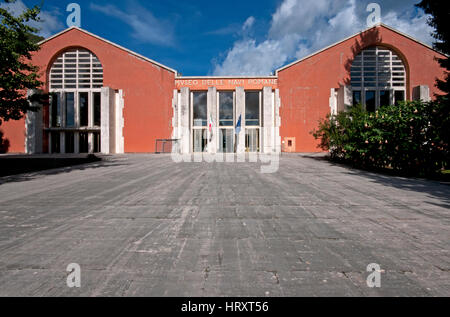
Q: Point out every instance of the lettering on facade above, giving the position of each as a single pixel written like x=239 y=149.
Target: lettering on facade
x=226 y=82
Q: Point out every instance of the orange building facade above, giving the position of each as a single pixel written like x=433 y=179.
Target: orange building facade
x=105 y=98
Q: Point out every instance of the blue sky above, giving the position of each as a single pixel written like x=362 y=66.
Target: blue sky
x=231 y=37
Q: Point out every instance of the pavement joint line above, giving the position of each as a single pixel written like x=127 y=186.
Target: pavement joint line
x=230 y=228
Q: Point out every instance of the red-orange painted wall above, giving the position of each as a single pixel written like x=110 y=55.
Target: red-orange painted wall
x=305 y=87
x=14 y=132
x=147 y=88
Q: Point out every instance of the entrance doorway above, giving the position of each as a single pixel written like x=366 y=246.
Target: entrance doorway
x=226 y=141
x=252 y=140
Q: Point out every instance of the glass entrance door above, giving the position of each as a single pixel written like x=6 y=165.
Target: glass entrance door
x=200 y=140
x=199 y=121
x=252 y=140
x=226 y=138
x=226 y=121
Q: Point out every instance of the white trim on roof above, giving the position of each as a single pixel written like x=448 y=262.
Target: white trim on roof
x=111 y=43
x=350 y=37
x=237 y=77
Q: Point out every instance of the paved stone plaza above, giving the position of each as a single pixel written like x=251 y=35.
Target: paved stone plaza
x=144 y=226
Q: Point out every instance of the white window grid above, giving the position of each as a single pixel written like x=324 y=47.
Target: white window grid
x=76 y=69
x=378 y=69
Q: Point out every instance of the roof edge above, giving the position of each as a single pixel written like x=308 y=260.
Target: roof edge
x=111 y=43
x=352 y=36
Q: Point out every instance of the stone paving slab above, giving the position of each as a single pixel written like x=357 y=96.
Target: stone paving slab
x=141 y=225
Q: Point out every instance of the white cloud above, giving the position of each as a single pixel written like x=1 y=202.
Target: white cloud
x=343 y=24
x=416 y=27
x=226 y=30
x=248 y=24
x=146 y=27
x=299 y=28
x=49 y=24
x=248 y=57
x=296 y=16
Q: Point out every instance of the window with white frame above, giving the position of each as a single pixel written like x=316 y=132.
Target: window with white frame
x=199 y=111
x=253 y=121
x=226 y=121
x=378 y=78
x=76 y=79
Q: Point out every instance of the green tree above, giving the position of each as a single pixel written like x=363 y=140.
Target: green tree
x=440 y=15
x=439 y=20
x=406 y=138
x=17 y=74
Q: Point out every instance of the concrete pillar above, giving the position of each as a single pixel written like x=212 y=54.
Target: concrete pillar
x=91 y=111
x=63 y=109
x=277 y=136
x=108 y=121
x=175 y=116
x=76 y=144
x=212 y=114
x=50 y=143
x=344 y=98
x=90 y=143
x=185 y=118
x=422 y=93
x=268 y=120
x=240 y=112
x=333 y=102
x=34 y=129
x=76 y=140
x=392 y=96
x=120 y=122
x=62 y=136
x=62 y=142
x=91 y=123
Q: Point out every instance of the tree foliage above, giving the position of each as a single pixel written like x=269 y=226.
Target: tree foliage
x=406 y=138
x=439 y=20
x=17 y=74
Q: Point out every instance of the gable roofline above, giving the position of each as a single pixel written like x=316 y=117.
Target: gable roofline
x=355 y=35
x=111 y=43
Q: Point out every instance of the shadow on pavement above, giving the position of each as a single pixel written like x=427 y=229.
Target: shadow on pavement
x=21 y=168
x=434 y=188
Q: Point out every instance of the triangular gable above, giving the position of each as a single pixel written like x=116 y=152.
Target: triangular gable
x=353 y=36
x=111 y=43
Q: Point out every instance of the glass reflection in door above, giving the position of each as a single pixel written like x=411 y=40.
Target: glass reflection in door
x=226 y=143
x=252 y=140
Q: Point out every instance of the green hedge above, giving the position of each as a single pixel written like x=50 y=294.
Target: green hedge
x=411 y=138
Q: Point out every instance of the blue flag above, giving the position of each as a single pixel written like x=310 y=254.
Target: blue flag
x=239 y=125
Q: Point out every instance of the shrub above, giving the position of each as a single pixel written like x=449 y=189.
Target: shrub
x=410 y=138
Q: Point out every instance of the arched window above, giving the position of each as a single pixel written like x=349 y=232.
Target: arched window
x=76 y=69
x=378 y=78
x=76 y=79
